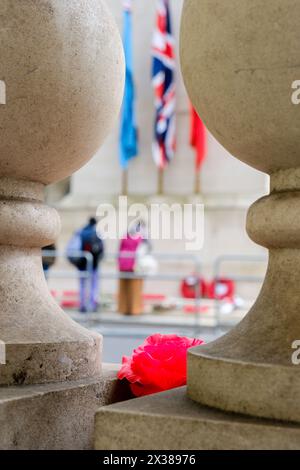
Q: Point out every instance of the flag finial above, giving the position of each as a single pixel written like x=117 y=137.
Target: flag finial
x=127 y=5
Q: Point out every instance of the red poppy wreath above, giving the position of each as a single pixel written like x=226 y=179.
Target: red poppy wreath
x=159 y=364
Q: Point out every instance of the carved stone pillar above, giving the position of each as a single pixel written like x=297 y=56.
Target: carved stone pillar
x=239 y=61
x=62 y=64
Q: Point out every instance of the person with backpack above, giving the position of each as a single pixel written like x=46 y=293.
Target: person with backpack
x=87 y=239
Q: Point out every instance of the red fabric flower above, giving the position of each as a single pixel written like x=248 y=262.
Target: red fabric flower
x=158 y=364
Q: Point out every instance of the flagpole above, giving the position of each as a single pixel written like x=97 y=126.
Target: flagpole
x=197 y=188
x=125 y=182
x=160 y=188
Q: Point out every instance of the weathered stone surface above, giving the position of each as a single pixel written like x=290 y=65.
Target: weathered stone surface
x=56 y=416
x=63 y=67
x=239 y=69
x=171 y=421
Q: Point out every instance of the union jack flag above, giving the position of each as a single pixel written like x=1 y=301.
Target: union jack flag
x=164 y=86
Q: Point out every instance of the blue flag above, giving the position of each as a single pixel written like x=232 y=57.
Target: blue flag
x=128 y=132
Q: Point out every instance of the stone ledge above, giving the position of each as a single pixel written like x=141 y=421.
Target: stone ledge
x=171 y=421
x=57 y=415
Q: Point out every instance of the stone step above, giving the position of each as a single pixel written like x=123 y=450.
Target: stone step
x=171 y=421
x=58 y=415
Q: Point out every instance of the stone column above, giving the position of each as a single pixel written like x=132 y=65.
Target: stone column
x=62 y=64
x=239 y=60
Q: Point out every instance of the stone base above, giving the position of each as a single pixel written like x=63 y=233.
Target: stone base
x=57 y=415
x=171 y=421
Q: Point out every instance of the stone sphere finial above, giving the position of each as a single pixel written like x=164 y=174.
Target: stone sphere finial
x=239 y=60
x=62 y=64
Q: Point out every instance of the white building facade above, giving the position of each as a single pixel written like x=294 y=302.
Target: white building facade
x=228 y=186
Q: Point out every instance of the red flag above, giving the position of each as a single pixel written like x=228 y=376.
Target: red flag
x=198 y=138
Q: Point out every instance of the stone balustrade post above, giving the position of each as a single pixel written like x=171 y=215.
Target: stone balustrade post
x=63 y=69
x=239 y=61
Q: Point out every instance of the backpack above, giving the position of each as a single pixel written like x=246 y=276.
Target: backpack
x=92 y=243
x=85 y=240
x=74 y=246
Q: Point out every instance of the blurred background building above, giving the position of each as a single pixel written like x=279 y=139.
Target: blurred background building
x=227 y=186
